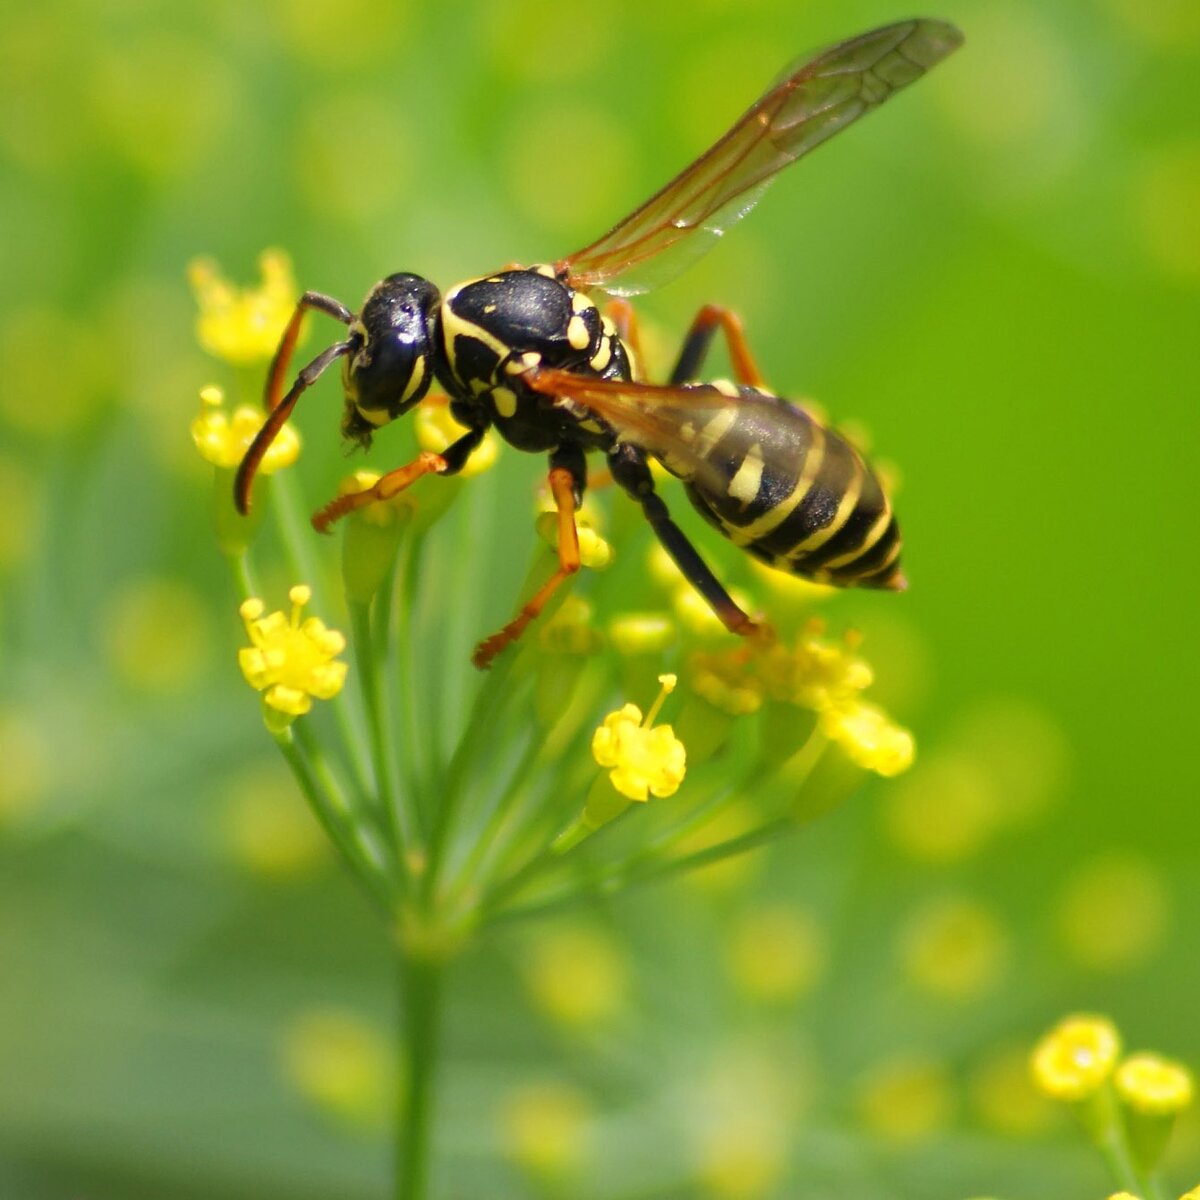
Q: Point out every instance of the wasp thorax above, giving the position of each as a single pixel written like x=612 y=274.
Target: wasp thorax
x=390 y=370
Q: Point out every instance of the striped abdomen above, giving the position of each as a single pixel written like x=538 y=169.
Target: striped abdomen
x=791 y=492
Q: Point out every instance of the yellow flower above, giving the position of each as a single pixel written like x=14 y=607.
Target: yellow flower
x=870 y=738
x=816 y=673
x=645 y=760
x=243 y=325
x=726 y=679
x=1076 y=1057
x=1153 y=1085
x=223 y=437
x=437 y=429
x=290 y=661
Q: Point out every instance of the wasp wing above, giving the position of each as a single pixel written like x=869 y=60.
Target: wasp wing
x=702 y=433
x=809 y=104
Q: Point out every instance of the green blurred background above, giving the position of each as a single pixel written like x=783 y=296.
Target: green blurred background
x=997 y=275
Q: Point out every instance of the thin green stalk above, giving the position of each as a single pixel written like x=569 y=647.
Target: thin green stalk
x=421 y=988
x=243 y=575
x=329 y=806
x=622 y=878
x=411 y=745
x=369 y=658
x=477 y=735
x=296 y=537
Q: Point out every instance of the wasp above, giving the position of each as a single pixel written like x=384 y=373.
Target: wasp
x=528 y=351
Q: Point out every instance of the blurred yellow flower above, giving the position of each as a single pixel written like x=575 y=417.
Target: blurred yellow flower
x=266 y=828
x=906 y=1098
x=291 y=661
x=243 y=326
x=1076 y=1057
x=436 y=430
x=1113 y=912
x=544 y=1128
x=157 y=634
x=223 y=437
x=645 y=760
x=340 y=1063
x=577 y=974
x=775 y=953
x=641 y=633
x=870 y=738
x=1003 y=1095
x=1153 y=1085
x=953 y=948
x=816 y=673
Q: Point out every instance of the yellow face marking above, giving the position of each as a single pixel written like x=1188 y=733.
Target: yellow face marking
x=414 y=380
x=374 y=416
x=745 y=483
x=602 y=357
x=873 y=535
x=609 y=326
x=544 y=269
x=774 y=517
x=726 y=388
x=489 y=308
x=577 y=333
x=580 y=303
x=505 y=400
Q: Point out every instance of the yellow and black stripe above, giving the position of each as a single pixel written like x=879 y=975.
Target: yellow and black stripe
x=788 y=490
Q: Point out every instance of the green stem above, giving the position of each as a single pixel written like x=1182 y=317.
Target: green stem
x=329 y=806
x=628 y=875
x=411 y=738
x=243 y=574
x=421 y=986
x=477 y=735
x=296 y=538
x=369 y=659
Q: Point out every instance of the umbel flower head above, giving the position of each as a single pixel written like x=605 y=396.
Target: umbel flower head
x=290 y=660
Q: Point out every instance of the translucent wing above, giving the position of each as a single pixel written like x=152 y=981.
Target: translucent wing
x=695 y=431
x=806 y=107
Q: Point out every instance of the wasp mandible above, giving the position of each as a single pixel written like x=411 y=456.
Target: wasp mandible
x=528 y=351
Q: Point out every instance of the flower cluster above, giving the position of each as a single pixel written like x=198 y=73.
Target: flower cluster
x=1127 y=1105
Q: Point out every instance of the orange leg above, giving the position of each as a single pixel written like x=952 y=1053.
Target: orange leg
x=562 y=488
x=387 y=486
x=699 y=337
x=622 y=315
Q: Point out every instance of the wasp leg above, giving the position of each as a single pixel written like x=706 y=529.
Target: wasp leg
x=699 y=338
x=622 y=315
x=283 y=354
x=449 y=462
x=568 y=471
x=632 y=472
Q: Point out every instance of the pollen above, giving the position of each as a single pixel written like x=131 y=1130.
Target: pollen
x=223 y=437
x=291 y=659
x=1154 y=1086
x=243 y=326
x=870 y=738
x=644 y=759
x=1076 y=1057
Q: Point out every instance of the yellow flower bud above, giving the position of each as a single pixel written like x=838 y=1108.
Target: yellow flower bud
x=1153 y=1085
x=223 y=437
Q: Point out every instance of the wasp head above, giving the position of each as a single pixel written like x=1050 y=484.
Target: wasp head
x=390 y=368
